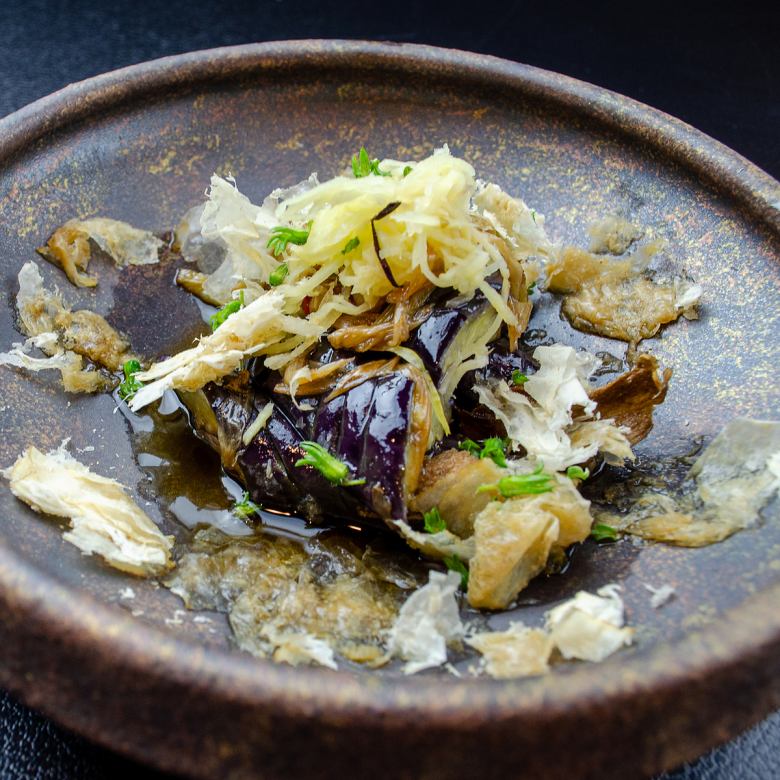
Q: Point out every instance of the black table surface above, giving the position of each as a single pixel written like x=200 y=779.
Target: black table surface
x=716 y=68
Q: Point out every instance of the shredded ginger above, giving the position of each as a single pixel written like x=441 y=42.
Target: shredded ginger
x=435 y=231
x=103 y=518
x=434 y=216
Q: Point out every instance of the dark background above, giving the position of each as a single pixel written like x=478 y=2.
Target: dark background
x=715 y=67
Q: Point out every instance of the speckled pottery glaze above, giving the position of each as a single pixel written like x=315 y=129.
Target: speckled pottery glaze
x=140 y=144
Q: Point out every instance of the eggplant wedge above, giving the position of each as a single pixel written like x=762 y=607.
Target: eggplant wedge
x=369 y=427
x=474 y=420
x=453 y=333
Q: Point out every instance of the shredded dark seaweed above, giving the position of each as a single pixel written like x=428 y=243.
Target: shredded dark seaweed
x=388 y=209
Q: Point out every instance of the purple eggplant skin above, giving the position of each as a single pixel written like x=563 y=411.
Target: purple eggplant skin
x=232 y=405
x=368 y=428
x=473 y=420
x=502 y=363
x=439 y=333
x=263 y=467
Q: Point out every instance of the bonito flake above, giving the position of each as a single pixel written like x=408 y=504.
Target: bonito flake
x=541 y=419
x=68 y=247
x=75 y=378
x=65 y=337
x=519 y=651
x=513 y=540
x=724 y=492
x=103 y=518
x=590 y=627
x=427 y=622
x=299 y=647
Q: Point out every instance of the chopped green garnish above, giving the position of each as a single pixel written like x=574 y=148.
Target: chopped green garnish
x=246 y=508
x=469 y=445
x=455 y=564
x=353 y=243
x=229 y=308
x=533 y=215
x=363 y=165
x=434 y=522
x=494 y=449
x=407 y=170
x=329 y=466
x=531 y=287
x=575 y=472
x=130 y=385
x=521 y=484
x=278 y=275
x=281 y=236
x=518 y=377
x=601 y=532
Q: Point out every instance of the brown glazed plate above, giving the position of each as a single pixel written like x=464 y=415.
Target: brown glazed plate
x=140 y=144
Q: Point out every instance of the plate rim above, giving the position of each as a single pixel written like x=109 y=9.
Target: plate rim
x=740 y=639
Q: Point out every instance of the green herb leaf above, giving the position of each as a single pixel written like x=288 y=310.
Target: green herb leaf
x=246 y=508
x=533 y=215
x=353 y=243
x=278 y=275
x=518 y=377
x=407 y=170
x=601 y=532
x=469 y=445
x=363 y=165
x=281 y=236
x=531 y=287
x=456 y=564
x=130 y=385
x=494 y=449
x=131 y=367
x=575 y=472
x=434 y=522
x=329 y=466
x=229 y=308
x=521 y=484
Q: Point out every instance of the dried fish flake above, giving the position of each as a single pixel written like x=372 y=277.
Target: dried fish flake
x=103 y=518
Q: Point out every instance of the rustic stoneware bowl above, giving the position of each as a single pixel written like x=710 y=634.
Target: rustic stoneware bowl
x=140 y=144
